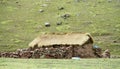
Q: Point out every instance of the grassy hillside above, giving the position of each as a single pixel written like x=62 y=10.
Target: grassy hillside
x=59 y=64
x=22 y=20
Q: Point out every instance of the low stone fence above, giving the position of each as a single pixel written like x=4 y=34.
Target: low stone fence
x=54 y=52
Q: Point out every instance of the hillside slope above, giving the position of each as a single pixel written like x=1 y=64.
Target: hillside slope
x=22 y=20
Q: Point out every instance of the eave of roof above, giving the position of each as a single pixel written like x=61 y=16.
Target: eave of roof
x=54 y=39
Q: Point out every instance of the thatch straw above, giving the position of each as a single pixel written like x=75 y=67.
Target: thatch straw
x=58 y=39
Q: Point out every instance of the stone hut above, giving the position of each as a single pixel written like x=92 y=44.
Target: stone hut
x=65 y=46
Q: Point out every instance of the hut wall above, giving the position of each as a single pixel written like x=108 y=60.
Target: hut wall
x=84 y=51
x=60 y=51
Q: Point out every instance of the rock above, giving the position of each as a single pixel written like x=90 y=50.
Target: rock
x=30 y=49
x=106 y=54
x=97 y=51
x=15 y=55
x=65 y=16
x=47 y=24
x=36 y=53
x=18 y=51
x=41 y=10
x=26 y=54
x=24 y=49
x=0 y=54
x=5 y=54
x=17 y=2
x=114 y=41
x=59 y=23
x=60 y=8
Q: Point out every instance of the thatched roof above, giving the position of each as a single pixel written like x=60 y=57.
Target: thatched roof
x=56 y=39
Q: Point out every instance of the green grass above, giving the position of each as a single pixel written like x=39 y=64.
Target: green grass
x=7 y=63
x=21 y=22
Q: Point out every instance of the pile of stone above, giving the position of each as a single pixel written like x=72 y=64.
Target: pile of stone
x=39 y=52
x=53 y=52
